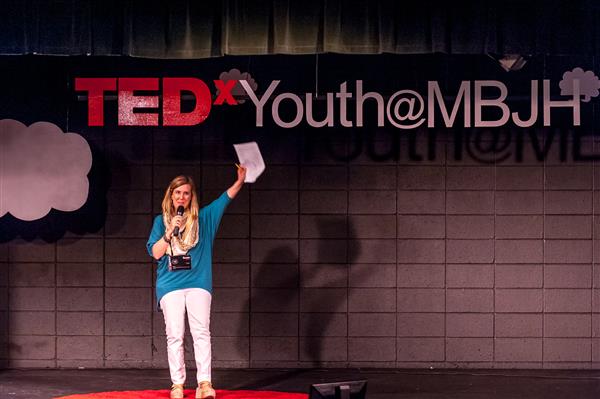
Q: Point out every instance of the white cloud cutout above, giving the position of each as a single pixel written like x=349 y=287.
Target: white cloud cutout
x=41 y=168
x=238 y=91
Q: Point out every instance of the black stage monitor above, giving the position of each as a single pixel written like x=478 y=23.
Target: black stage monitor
x=339 y=390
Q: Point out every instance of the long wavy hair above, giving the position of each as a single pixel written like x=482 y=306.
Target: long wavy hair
x=169 y=210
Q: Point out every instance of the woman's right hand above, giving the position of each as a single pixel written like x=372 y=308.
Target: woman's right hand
x=175 y=222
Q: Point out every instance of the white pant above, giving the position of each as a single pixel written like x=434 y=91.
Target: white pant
x=174 y=304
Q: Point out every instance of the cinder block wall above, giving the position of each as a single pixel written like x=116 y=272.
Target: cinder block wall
x=360 y=263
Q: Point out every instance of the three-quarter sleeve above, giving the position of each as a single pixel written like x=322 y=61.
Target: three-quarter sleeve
x=213 y=212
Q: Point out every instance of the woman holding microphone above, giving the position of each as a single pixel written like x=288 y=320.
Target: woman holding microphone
x=181 y=240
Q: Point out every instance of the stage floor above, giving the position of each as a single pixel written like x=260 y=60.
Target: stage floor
x=382 y=384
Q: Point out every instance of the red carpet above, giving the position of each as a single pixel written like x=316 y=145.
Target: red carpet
x=189 y=394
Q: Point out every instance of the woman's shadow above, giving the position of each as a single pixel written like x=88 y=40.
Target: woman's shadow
x=309 y=293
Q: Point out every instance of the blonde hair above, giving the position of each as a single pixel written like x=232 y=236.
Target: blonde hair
x=169 y=210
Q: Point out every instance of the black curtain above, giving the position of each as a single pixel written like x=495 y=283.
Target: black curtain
x=200 y=29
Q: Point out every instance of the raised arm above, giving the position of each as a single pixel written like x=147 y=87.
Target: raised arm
x=237 y=186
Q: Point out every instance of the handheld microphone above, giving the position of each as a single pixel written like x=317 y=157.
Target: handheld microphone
x=179 y=213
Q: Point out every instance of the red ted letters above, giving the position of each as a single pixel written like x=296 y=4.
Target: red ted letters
x=129 y=101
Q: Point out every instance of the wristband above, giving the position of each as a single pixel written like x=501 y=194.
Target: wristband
x=164 y=237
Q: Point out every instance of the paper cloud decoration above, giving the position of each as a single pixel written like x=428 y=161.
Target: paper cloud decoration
x=588 y=84
x=41 y=168
x=238 y=91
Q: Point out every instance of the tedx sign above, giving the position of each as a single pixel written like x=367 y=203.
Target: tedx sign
x=405 y=109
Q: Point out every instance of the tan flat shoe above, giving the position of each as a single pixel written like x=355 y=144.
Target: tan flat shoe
x=205 y=391
x=177 y=391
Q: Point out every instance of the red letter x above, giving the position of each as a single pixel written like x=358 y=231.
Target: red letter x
x=225 y=92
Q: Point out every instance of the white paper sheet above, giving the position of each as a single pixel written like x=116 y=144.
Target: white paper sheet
x=250 y=157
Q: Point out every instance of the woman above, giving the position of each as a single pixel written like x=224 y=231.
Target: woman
x=186 y=285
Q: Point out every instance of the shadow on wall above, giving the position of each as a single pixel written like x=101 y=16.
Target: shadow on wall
x=325 y=310
x=90 y=218
x=307 y=301
x=486 y=146
x=3 y=329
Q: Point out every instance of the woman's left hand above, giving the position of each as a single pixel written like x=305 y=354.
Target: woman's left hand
x=241 y=173
x=237 y=186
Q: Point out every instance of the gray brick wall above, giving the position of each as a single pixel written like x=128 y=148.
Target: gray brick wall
x=432 y=263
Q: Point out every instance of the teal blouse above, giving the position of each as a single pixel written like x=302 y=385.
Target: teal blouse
x=200 y=275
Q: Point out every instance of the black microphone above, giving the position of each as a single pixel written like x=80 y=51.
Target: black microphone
x=179 y=213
